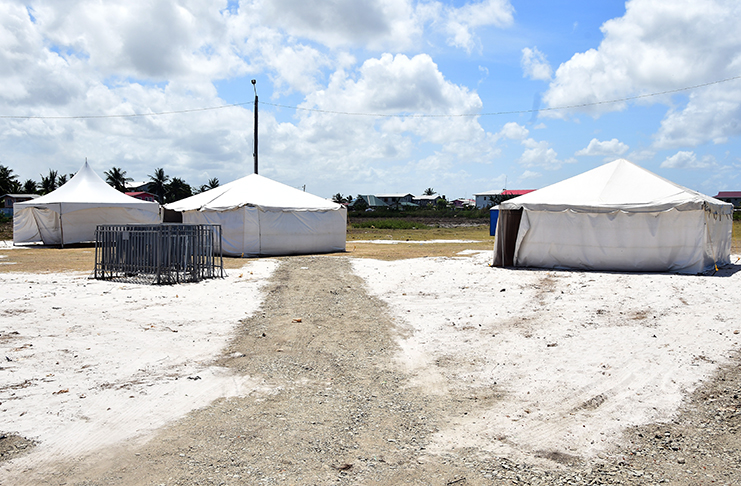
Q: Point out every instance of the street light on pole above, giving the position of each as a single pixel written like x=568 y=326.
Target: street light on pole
x=254 y=154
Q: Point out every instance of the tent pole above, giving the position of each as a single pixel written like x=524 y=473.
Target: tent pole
x=61 y=226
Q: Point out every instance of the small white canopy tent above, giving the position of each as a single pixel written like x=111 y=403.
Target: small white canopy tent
x=71 y=213
x=617 y=217
x=259 y=216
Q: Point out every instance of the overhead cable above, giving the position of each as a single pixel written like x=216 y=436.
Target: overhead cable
x=376 y=115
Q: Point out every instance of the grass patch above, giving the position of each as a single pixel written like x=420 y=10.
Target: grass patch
x=389 y=224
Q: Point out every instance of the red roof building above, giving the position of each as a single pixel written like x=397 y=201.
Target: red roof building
x=733 y=197
x=144 y=196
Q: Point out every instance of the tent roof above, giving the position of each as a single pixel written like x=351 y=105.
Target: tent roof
x=254 y=190
x=618 y=185
x=86 y=188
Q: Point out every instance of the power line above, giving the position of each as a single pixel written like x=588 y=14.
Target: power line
x=377 y=115
x=126 y=115
x=514 y=112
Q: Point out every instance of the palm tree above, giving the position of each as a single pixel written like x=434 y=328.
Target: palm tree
x=117 y=179
x=213 y=183
x=49 y=183
x=429 y=192
x=178 y=189
x=159 y=184
x=30 y=187
x=8 y=181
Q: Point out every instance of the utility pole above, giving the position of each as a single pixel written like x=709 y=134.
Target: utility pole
x=254 y=154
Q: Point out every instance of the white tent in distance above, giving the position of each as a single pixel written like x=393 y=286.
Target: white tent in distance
x=262 y=217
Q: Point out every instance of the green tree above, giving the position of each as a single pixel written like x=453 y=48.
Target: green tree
x=213 y=183
x=428 y=192
x=360 y=204
x=49 y=183
x=8 y=181
x=159 y=184
x=177 y=189
x=30 y=187
x=116 y=178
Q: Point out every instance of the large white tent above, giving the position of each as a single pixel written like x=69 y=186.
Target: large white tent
x=259 y=216
x=618 y=217
x=71 y=213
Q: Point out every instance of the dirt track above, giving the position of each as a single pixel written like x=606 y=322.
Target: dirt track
x=340 y=411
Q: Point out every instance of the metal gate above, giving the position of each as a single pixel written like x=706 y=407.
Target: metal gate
x=158 y=253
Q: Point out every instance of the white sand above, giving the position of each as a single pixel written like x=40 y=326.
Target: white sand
x=556 y=360
x=559 y=361
x=95 y=362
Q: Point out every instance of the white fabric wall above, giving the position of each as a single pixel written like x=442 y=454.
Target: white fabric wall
x=249 y=231
x=43 y=224
x=677 y=241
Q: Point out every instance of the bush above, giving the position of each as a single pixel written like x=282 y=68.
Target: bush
x=389 y=224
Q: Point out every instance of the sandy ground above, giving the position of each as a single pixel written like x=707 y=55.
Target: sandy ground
x=574 y=358
x=88 y=363
x=579 y=355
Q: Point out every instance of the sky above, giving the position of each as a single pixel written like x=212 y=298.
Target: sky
x=373 y=96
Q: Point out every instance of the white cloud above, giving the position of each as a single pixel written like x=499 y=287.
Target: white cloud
x=657 y=45
x=376 y=24
x=535 y=65
x=529 y=174
x=541 y=154
x=688 y=160
x=712 y=115
x=513 y=131
x=460 y=22
x=608 y=147
x=352 y=144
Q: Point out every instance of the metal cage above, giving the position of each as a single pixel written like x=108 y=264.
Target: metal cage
x=158 y=253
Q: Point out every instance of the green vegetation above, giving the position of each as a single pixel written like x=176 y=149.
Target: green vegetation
x=389 y=224
x=421 y=213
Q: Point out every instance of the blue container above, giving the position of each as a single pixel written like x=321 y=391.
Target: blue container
x=493 y=217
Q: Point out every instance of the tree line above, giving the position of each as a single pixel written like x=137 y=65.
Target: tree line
x=165 y=188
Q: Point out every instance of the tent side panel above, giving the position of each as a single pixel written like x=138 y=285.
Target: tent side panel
x=620 y=241
x=36 y=224
x=302 y=232
x=720 y=236
x=238 y=229
x=79 y=226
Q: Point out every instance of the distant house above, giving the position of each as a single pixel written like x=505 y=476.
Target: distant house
x=9 y=200
x=733 y=197
x=462 y=203
x=143 y=195
x=395 y=200
x=369 y=201
x=140 y=186
x=430 y=200
x=487 y=199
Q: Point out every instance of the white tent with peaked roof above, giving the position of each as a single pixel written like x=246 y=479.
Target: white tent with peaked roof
x=259 y=216
x=618 y=217
x=71 y=213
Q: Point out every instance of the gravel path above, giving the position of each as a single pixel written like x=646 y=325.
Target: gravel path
x=333 y=408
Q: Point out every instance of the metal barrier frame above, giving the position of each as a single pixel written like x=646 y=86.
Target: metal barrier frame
x=165 y=253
